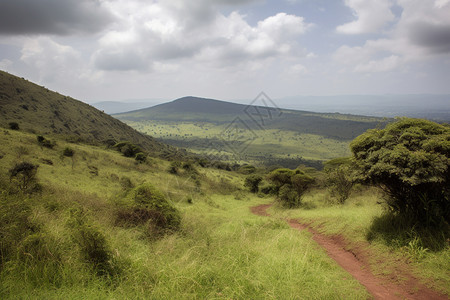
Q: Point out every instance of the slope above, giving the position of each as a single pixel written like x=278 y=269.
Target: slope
x=39 y=110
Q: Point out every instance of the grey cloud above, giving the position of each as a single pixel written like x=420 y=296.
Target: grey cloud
x=61 y=17
x=120 y=61
x=435 y=37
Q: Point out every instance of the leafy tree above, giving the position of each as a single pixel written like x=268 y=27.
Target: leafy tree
x=409 y=160
x=290 y=185
x=252 y=182
x=141 y=157
x=339 y=179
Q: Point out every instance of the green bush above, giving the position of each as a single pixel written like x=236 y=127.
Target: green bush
x=127 y=149
x=148 y=205
x=409 y=160
x=68 y=152
x=24 y=176
x=174 y=167
x=43 y=142
x=141 y=157
x=92 y=243
x=13 y=126
x=290 y=185
x=252 y=182
x=340 y=182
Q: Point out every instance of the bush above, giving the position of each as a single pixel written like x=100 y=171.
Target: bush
x=149 y=205
x=141 y=157
x=290 y=185
x=24 y=175
x=68 y=152
x=174 y=167
x=247 y=169
x=92 y=243
x=127 y=149
x=252 y=182
x=340 y=178
x=43 y=142
x=14 y=126
x=409 y=160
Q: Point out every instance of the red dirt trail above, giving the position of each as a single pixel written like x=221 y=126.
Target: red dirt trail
x=356 y=263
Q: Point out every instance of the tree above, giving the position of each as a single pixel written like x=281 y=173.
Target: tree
x=339 y=179
x=409 y=160
x=25 y=175
x=291 y=185
x=252 y=182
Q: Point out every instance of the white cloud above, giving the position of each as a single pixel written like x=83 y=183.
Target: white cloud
x=372 y=15
x=177 y=30
x=422 y=33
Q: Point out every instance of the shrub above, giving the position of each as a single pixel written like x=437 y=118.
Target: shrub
x=290 y=185
x=24 y=174
x=127 y=149
x=409 y=160
x=288 y=196
x=252 y=182
x=149 y=205
x=247 y=169
x=68 y=152
x=125 y=183
x=174 y=167
x=141 y=157
x=340 y=183
x=14 y=126
x=92 y=243
x=45 y=142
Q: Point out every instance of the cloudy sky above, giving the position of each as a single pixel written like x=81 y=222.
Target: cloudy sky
x=227 y=49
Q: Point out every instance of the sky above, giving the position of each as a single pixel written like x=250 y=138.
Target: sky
x=110 y=50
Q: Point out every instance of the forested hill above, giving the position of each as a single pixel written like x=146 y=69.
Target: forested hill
x=36 y=109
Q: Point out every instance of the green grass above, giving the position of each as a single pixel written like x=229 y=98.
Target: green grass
x=262 y=144
x=221 y=252
x=426 y=253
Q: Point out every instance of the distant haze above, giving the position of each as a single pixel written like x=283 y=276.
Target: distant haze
x=434 y=107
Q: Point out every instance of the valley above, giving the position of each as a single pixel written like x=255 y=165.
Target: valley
x=112 y=212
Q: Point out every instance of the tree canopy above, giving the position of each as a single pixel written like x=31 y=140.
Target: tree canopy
x=409 y=160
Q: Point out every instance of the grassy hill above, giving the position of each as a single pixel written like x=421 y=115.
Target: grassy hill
x=41 y=111
x=251 y=133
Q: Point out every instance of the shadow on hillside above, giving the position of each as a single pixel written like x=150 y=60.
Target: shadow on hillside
x=399 y=231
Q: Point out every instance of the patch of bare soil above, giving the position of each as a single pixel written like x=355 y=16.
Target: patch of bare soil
x=355 y=262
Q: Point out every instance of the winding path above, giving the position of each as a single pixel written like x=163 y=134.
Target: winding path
x=356 y=263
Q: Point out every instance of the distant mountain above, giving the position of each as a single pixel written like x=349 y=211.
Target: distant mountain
x=115 y=107
x=193 y=109
x=39 y=110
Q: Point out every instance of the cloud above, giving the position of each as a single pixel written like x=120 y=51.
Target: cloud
x=53 y=60
x=167 y=31
x=52 y=17
x=372 y=15
x=422 y=33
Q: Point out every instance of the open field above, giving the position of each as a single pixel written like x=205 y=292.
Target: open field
x=221 y=251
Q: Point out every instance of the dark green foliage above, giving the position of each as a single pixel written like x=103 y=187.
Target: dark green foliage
x=45 y=142
x=290 y=185
x=252 y=182
x=288 y=196
x=340 y=183
x=410 y=161
x=24 y=175
x=13 y=126
x=92 y=243
x=247 y=169
x=127 y=149
x=68 y=152
x=269 y=189
x=339 y=179
x=141 y=157
x=149 y=206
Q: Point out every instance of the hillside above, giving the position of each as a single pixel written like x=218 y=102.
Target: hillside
x=193 y=109
x=39 y=110
x=254 y=134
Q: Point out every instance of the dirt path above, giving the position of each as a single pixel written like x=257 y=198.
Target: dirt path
x=356 y=263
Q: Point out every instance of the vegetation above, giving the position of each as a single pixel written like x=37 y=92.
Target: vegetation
x=290 y=185
x=410 y=161
x=252 y=182
x=340 y=179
